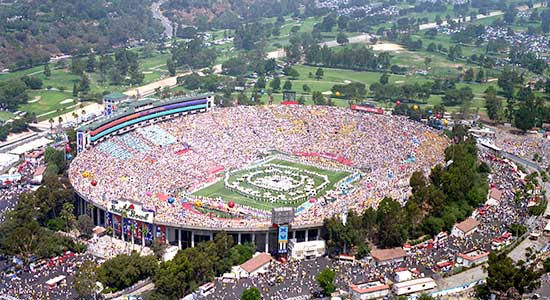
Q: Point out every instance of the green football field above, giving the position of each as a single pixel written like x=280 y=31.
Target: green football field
x=218 y=189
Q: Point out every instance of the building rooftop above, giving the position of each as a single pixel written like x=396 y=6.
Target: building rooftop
x=413 y=282
x=473 y=255
x=369 y=287
x=467 y=225
x=115 y=96
x=256 y=262
x=133 y=106
x=388 y=254
x=496 y=194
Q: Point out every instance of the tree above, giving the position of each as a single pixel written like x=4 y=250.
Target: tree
x=287 y=86
x=545 y=21
x=125 y=270
x=84 y=84
x=319 y=73
x=524 y=118
x=291 y=72
x=318 y=98
x=136 y=76
x=510 y=15
x=342 y=38
x=252 y=293
x=260 y=83
x=326 y=281
x=171 y=65
x=384 y=78
x=306 y=88
x=67 y=214
x=469 y=75
x=85 y=225
x=158 y=248
x=427 y=62
x=363 y=251
x=493 y=104
x=507 y=80
x=480 y=78
x=91 y=63
x=47 y=71
x=505 y=275
x=115 y=76
x=275 y=84
x=85 y=280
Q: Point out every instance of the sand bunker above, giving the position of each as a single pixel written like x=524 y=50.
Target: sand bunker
x=36 y=99
x=387 y=47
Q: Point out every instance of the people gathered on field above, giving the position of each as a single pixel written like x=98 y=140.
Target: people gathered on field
x=151 y=164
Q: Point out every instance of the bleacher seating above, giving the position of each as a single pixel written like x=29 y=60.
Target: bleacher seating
x=157 y=135
x=114 y=150
x=133 y=142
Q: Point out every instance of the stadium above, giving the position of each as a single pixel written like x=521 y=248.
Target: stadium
x=182 y=169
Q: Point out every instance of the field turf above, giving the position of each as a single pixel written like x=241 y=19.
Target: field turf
x=218 y=189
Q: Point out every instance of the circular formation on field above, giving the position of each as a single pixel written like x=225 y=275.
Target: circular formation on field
x=228 y=167
x=277 y=183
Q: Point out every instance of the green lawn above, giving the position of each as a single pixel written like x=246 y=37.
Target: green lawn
x=218 y=189
x=5 y=115
x=18 y=74
x=49 y=101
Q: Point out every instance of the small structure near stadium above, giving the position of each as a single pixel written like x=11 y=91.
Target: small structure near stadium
x=368 y=290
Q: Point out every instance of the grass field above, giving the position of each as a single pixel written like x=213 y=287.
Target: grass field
x=5 y=115
x=218 y=189
x=48 y=101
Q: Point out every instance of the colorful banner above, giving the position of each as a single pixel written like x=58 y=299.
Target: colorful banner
x=283 y=234
x=374 y=110
x=149 y=236
x=80 y=141
x=132 y=211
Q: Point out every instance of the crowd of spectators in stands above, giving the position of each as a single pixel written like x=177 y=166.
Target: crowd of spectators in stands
x=386 y=149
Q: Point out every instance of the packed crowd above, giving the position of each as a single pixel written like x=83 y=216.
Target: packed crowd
x=9 y=193
x=532 y=146
x=386 y=148
x=538 y=44
x=352 y=10
x=296 y=279
x=31 y=284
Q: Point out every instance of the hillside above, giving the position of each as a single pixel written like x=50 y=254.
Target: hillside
x=31 y=31
x=225 y=13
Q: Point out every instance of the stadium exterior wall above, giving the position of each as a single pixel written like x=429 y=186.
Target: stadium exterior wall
x=184 y=236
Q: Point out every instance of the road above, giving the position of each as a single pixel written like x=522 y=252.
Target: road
x=157 y=14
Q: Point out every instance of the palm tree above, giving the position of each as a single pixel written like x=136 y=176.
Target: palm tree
x=132 y=229
x=51 y=123
x=144 y=233
x=60 y=120
x=123 y=214
x=75 y=115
